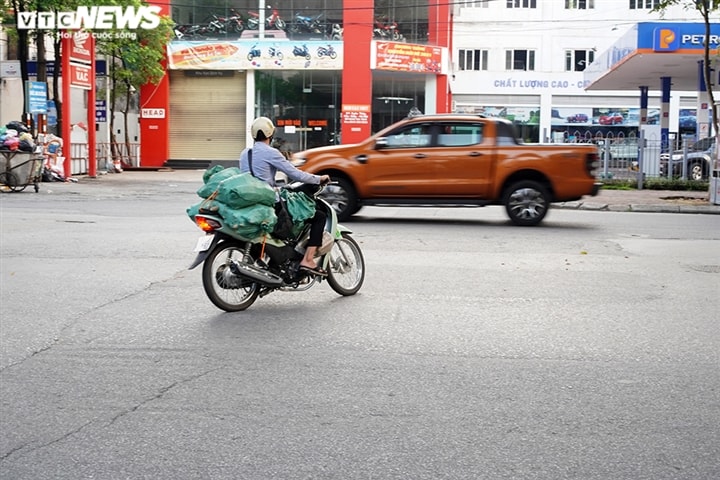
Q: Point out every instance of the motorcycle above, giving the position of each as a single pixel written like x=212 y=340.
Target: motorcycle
x=386 y=29
x=237 y=270
x=303 y=51
x=253 y=53
x=336 y=33
x=328 y=51
x=190 y=32
x=233 y=23
x=273 y=21
x=306 y=24
x=275 y=52
x=216 y=26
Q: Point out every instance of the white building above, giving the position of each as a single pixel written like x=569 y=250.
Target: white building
x=525 y=59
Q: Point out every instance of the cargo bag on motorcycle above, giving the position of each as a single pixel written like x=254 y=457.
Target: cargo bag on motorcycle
x=292 y=210
x=245 y=202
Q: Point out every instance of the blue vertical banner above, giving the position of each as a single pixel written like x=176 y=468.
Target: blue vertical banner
x=100 y=111
x=36 y=97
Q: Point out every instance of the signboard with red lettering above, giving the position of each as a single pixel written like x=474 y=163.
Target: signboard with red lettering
x=408 y=57
x=81 y=76
x=153 y=113
x=356 y=115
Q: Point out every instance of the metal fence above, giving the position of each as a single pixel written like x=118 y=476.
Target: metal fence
x=633 y=156
x=109 y=157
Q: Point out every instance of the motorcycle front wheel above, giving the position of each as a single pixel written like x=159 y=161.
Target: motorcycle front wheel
x=346 y=266
x=226 y=290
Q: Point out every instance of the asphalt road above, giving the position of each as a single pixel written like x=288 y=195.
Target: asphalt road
x=586 y=348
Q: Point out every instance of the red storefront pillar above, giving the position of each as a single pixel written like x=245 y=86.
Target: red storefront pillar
x=154 y=114
x=440 y=34
x=357 y=76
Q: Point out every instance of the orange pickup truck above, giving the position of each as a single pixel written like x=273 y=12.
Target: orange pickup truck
x=453 y=160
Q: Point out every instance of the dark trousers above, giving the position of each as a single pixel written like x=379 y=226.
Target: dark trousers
x=316 y=227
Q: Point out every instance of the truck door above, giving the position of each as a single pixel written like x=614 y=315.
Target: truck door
x=464 y=159
x=402 y=163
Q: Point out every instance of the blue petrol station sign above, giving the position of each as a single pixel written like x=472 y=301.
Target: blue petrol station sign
x=677 y=37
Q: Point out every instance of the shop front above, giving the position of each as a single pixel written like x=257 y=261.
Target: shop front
x=327 y=72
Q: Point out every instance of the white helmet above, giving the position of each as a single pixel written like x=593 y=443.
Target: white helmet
x=264 y=125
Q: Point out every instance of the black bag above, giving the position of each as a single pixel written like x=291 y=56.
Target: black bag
x=284 y=227
x=17 y=126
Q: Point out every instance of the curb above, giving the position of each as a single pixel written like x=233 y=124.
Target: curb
x=639 y=207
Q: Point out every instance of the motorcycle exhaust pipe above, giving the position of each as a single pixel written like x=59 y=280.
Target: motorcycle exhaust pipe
x=256 y=274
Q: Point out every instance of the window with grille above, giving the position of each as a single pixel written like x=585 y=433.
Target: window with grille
x=473 y=59
x=578 y=60
x=643 y=4
x=579 y=4
x=476 y=3
x=521 y=4
x=520 y=60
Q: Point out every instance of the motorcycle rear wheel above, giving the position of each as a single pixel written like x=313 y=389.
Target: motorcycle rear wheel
x=346 y=266
x=226 y=290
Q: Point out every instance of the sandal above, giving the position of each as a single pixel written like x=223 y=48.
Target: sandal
x=315 y=271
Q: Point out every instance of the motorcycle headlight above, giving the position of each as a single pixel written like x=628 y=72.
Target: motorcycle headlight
x=677 y=157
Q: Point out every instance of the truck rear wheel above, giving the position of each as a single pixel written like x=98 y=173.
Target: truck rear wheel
x=526 y=202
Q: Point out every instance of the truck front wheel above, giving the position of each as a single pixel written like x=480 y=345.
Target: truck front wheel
x=341 y=195
x=526 y=202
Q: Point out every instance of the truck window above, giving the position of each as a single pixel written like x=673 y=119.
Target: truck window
x=460 y=134
x=410 y=137
x=505 y=134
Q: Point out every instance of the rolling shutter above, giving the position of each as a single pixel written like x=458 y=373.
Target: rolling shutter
x=207 y=116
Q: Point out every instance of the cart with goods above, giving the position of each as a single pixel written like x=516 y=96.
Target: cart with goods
x=20 y=169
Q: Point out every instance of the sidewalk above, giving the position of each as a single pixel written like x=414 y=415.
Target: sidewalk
x=135 y=182
x=665 y=201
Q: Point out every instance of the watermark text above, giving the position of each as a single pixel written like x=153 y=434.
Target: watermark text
x=93 y=18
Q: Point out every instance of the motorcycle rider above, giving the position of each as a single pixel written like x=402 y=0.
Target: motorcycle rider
x=266 y=161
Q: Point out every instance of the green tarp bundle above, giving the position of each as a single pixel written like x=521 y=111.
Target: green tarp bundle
x=247 y=203
x=248 y=222
x=300 y=206
x=235 y=189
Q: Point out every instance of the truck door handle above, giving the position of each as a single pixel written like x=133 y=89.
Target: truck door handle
x=420 y=155
x=361 y=158
x=475 y=154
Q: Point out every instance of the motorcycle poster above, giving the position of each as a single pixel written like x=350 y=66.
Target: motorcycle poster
x=265 y=54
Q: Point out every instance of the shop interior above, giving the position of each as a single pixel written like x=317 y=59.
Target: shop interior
x=306 y=104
